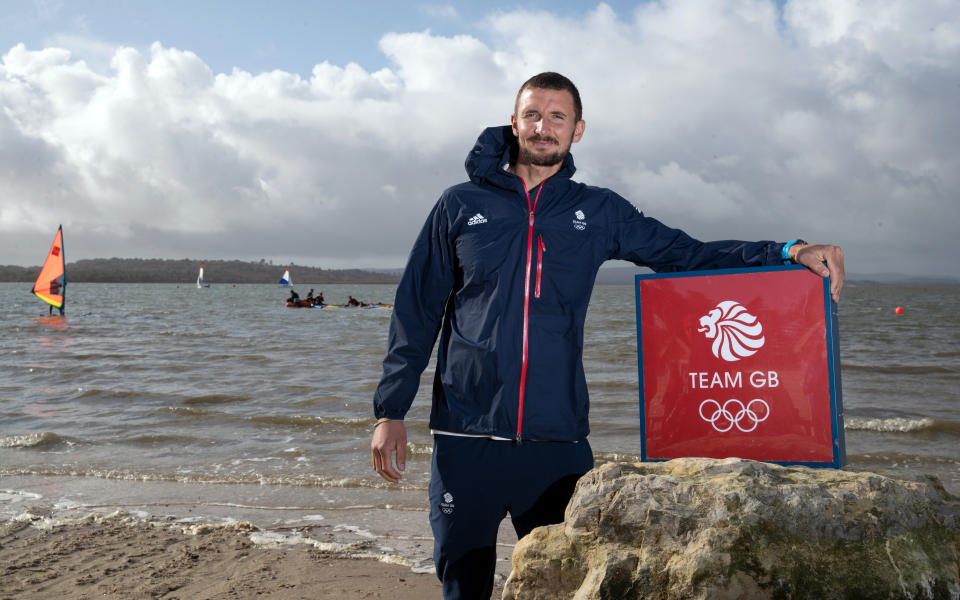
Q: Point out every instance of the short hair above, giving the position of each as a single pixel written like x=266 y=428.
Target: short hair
x=552 y=81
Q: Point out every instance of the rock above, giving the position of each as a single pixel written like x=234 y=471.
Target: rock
x=729 y=529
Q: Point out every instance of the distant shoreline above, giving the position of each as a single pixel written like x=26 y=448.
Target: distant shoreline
x=184 y=271
x=617 y=275
x=155 y=270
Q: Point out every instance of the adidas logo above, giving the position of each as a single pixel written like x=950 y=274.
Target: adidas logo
x=476 y=219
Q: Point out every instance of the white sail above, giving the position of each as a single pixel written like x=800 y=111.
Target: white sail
x=200 y=277
x=286 y=279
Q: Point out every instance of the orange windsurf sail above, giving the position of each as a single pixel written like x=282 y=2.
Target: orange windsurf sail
x=51 y=284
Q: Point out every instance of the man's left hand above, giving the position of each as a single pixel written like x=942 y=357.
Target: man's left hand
x=823 y=259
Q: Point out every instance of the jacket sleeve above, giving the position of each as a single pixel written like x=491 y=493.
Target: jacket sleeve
x=417 y=312
x=648 y=242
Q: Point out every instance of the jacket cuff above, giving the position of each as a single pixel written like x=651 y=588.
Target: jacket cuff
x=386 y=414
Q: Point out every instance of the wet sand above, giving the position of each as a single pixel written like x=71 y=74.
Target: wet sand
x=118 y=556
x=165 y=539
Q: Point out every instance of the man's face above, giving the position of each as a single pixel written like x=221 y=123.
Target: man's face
x=545 y=125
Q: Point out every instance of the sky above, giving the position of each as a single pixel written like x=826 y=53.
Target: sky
x=323 y=133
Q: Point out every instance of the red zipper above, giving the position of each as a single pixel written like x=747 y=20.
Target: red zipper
x=526 y=300
x=541 y=247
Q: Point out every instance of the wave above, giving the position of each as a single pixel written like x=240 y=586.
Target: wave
x=202 y=411
x=614 y=457
x=189 y=411
x=154 y=439
x=314 y=481
x=342 y=541
x=254 y=358
x=95 y=393
x=215 y=399
x=886 y=458
x=109 y=357
x=614 y=386
x=310 y=421
x=901 y=425
x=419 y=449
x=44 y=439
x=901 y=369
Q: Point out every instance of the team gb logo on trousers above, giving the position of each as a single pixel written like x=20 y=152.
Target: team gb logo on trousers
x=735 y=332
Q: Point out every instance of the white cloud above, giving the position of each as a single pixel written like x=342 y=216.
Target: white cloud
x=671 y=190
x=96 y=53
x=440 y=11
x=831 y=120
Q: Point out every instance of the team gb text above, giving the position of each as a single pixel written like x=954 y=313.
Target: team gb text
x=756 y=379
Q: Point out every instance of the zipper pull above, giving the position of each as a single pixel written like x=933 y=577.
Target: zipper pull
x=541 y=248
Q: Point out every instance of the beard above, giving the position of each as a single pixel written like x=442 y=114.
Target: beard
x=527 y=156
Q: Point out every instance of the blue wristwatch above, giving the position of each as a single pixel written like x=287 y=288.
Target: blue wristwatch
x=785 y=254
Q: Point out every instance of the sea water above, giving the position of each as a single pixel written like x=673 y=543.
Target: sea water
x=221 y=403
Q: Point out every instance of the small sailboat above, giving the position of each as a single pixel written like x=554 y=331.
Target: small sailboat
x=286 y=279
x=200 y=277
x=51 y=284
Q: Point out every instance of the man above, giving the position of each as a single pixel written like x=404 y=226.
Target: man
x=503 y=271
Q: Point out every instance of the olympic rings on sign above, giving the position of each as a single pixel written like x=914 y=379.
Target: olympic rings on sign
x=723 y=419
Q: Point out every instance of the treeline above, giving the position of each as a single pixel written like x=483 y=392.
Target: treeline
x=156 y=270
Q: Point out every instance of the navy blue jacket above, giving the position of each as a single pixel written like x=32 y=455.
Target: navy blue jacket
x=505 y=279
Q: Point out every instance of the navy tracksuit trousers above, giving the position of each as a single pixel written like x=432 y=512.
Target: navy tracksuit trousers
x=475 y=482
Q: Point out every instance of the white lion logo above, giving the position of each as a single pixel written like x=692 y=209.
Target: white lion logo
x=735 y=333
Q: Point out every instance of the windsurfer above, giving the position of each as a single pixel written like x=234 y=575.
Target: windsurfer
x=55 y=289
x=51 y=283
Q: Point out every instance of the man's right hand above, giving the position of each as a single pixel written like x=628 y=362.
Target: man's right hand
x=388 y=438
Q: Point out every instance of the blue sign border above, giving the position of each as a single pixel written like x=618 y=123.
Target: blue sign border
x=832 y=333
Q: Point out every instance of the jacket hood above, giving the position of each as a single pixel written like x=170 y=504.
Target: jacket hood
x=496 y=147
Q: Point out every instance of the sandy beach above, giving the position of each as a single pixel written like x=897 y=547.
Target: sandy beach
x=117 y=556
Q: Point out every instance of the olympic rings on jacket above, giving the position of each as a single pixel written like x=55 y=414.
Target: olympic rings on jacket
x=723 y=418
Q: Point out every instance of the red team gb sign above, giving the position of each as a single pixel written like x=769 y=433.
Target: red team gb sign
x=740 y=362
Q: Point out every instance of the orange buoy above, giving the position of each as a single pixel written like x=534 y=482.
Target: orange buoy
x=899 y=310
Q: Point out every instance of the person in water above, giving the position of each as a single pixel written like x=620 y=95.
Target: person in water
x=354 y=302
x=55 y=289
x=319 y=299
x=501 y=274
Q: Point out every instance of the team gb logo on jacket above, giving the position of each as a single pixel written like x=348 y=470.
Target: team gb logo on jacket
x=579 y=222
